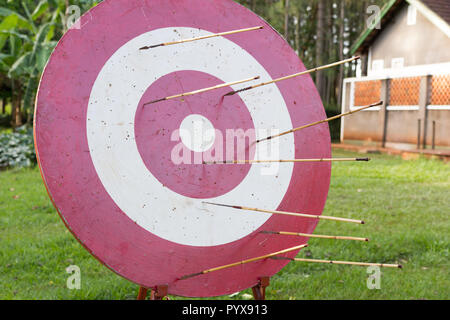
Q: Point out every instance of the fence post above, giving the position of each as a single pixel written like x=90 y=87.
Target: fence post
x=383 y=114
x=423 y=103
x=433 y=140
x=346 y=92
x=419 y=131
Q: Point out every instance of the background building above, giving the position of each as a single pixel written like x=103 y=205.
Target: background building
x=405 y=62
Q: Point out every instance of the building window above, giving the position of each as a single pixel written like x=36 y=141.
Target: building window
x=397 y=63
x=412 y=15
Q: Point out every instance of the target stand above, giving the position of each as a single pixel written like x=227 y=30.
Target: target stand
x=161 y=292
x=118 y=104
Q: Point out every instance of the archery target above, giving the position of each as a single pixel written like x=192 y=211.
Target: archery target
x=124 y=79
x=109 y=163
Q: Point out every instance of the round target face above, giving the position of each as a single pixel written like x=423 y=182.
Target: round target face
x=128 y=178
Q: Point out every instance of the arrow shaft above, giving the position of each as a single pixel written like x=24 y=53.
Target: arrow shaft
x=202 y=37
x=318 y=236
x=321 y=121
x=303 y=215
x=292 y=160
x=223 y=85
x=244 y=261
x=295 y=75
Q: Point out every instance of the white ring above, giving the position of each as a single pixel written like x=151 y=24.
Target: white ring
x=110 y=131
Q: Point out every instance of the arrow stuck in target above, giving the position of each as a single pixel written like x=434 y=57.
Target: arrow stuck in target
x=244 y=262
x=295 y=75
x=283 y=161
x=201 y=38
x=223 y=85
x=312 y=216
x=362 y=264
x=284 y=233
x=322 y=121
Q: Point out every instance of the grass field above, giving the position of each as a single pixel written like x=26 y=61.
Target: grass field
x=405 y=205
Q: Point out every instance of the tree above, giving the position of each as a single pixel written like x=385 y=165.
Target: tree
x=320 y=44
x=28 y=34
x=286 y=19
x=341 y=48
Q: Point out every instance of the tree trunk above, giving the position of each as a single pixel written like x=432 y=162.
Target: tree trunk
x=297 y=33
x=16 y=104
x=286 y=20
x=320 y=43
x=365 y=5
x=330 y=55
x=341 y=51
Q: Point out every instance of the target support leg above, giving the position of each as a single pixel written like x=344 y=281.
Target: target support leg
x=159 y=293
x=259 y=291
x=142 y=295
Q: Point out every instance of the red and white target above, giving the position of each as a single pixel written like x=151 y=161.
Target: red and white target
x=107 y=160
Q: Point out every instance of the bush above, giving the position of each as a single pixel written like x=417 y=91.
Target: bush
x=17 y=149
x=5 y=120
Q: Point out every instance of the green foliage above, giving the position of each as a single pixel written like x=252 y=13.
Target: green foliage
x=5 y=119
x=28 y=34
x=17 y=149
x=26 y=46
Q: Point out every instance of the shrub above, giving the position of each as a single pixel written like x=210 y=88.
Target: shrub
x=5 y=120
x=17 y=149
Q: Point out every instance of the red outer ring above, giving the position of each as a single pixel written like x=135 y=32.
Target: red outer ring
x=81 y=200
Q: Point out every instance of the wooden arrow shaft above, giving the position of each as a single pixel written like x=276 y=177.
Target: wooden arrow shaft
x=244 y=261
x=316 y=236
x=305 y=215
x=203 y=37
x=295 y=75
x=363 y=264
x=321 y=121
x=223 y=85
x=283 y=161
x=289 y=213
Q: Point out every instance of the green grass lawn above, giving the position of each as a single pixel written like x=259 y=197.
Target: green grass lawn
x=405 y=205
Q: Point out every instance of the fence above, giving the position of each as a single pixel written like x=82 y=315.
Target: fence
x=416 y=109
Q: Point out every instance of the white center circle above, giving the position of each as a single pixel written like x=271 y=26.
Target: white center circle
x=110 y=130
x=197 y=133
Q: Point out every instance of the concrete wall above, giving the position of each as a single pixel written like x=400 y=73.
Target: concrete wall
x=419 y=44
x=363 y=126
x=442 y=120
x=396 y=125
x=402 y=126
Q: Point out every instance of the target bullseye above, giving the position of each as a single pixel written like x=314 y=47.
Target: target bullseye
x=197 y=133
